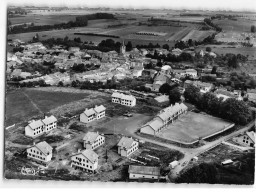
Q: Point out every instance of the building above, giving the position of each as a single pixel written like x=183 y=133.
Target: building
x=220 y=93
x=248 y=139
x=164 y=118
x=251 y=93
x=204 y=87
x=93 y=140
x=39 y=127
x=227 y=162
x=144 y=172
x=40 y=152
x=120 y=98
x=173 y=164
x=86 y=160
x=92 y=114
x=127 y=146
x=122 y=49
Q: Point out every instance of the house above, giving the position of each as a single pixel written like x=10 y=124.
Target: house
x=39 y=127
x=248 y=139
x=156 y=85
x=204 y=87
x=173 y=164
x=164 y=118
x=251 y=93
x=191 y=72
x=221 y=93
x=93 y=140
x=40 y=152
x=127 y=146
x=50 y=123
x=176 y=51
x=92 y=114
x=162 y=100
x=143 y=172
x=120 y=98
x=166 y=69
x=86 y=160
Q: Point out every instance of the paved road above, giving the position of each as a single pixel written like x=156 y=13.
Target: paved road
x=189 y=153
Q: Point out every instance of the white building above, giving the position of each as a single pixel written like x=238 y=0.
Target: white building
x=144 y=172
x=40 y=152
x=92 y=114
x=173 y=164
x=86 y=160
x=248 y=139
x=164 y=118
x=120 y=98
x=127 y=146
x=93 y=140
x=39 y=127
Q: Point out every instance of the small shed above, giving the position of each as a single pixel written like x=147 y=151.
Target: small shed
x=195 y=158
x=173 y=164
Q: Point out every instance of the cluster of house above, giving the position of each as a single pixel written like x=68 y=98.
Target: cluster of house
x=164 y=118
x=123 y=99
x=86 y=159
x=92 y=114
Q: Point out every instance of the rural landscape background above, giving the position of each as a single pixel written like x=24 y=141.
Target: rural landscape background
x=61 y=60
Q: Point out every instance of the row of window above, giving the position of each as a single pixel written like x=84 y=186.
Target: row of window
x=35 y=156
x=144 y=177
x=34 y=151
x=132 y=150
x=97 y=144
x=85 y=165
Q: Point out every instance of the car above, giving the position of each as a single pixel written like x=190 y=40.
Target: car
x=183 y=164
x=128 y=114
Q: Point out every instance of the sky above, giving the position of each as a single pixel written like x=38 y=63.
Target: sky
x=236 y=5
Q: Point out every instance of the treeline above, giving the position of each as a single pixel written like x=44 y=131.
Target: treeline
x=209 y=22
x=99 y=35
x=230 y=109
x=79 y=22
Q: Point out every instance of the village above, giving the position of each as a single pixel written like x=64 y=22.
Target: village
x=140 y=117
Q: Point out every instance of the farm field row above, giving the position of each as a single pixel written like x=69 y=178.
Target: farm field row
x=197 y=35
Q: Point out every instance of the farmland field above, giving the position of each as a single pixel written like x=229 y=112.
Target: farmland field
x=241 y=25
x=192 y=126
x=26 y=103
x=197 y=35
x=43 y=19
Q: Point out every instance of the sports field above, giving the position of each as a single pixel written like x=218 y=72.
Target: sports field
x=192 y=126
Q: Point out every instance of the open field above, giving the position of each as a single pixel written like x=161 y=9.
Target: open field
x=23 y=104
x=43 y=19
x=192 y=126
x=197 y=35
x=241 y=25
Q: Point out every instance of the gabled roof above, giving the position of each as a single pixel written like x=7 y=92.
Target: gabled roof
x=36 y=124
x=155 y=124
x=99 y=109
x=125 y=142
x=145 y=170
x=123 y=96
x=44 y=147
x=251 y=135
x=49 y=120
x=90 y=137
x=89 y=112
x=162 y=98
x=90 y=155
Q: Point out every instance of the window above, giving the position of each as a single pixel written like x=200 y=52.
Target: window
x=90 y=166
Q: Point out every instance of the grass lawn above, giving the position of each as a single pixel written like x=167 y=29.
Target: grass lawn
x=189 y=127
x=25 y=103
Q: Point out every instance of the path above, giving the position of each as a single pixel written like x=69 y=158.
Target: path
x=33 y=103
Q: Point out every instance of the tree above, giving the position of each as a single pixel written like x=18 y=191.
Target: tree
x=60 y=84
x=253 y=29
x=174 y=95
x=236 y=111
x=208 y=49
x=166 y=46
x=232 y=62
x=165 y=89
x=192 y=94
x=129 y=46
x=210 y=103
x=214 y=70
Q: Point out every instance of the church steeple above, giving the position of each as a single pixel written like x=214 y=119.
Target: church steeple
x=122 y=48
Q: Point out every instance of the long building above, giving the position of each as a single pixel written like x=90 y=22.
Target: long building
x=164 y=118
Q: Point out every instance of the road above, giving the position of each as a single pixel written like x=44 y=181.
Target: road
x=189 y=153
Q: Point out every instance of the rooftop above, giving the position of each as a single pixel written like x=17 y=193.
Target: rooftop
x=44 y=147
x=125 y=142
x=144 y=170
